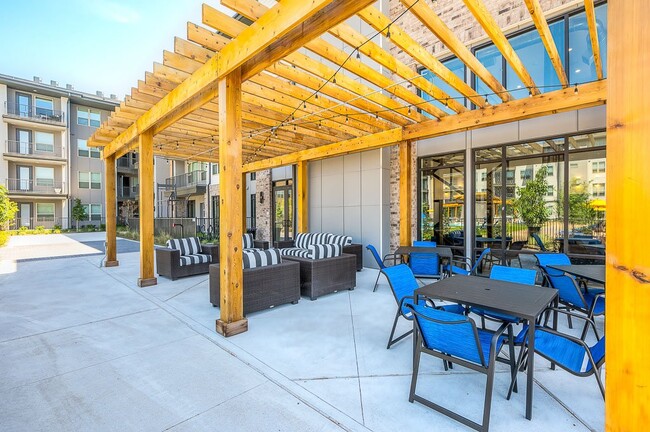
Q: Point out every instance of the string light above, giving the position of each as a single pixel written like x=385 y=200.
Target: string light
x=347 y=119
x=388 y=32
x=530 y=93
x=575 y=91
x=358 y=54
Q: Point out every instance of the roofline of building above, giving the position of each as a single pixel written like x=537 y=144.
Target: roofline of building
x=75 y=96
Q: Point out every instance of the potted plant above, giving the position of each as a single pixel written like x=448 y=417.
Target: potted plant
x=530 y=204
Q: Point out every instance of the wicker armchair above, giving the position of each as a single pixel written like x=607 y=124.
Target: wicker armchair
x=168 y=262
x=264 y=287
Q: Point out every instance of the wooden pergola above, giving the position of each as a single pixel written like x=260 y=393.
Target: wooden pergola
x=265 y=90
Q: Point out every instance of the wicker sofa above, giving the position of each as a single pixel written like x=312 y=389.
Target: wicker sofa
x=345 y=241
x=185 y=257
x=271 y=283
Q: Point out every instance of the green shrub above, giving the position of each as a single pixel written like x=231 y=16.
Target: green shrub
x=39 y=229
x=102 y=227
x=57 y=227
x=4 y=238
x=56 y=231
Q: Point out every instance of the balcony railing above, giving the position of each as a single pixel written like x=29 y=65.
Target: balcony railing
x=31 y=112
x=33 y=149
x=127 y=163
x=193 y=178
x=35 y=187
x=128 y=192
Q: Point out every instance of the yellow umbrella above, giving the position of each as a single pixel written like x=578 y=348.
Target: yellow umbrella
x=598 y=204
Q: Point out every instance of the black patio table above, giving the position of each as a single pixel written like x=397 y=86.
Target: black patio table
x=592 y=272
x=526 y=302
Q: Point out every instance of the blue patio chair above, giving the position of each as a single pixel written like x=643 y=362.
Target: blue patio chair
x=568 y=352
x=571 y=296
x=468 y=268
x=425 y=265
x=454 y=338
x=403 y=283
x=381 y=262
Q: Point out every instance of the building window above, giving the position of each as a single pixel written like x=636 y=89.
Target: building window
x=90 y=180
x=598 y=167
x=549 y=190
x=44 y=141
x=44 y=176
x=84 y=151
x=88 y=117
x=527 y=173
x=215 y=169
x=456 y=67
x=253 y=176
x=44 y=212
x=44 y=107
x=598 y=189
x=94 y=211
x=549 y=170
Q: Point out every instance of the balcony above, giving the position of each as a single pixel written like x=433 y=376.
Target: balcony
x=33 y=113
x=128 y=192
x=35 y=187
x=127 y=165
x=192 y=183
x=31 y=150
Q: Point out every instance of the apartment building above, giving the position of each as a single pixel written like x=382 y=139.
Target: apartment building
x=46 y=163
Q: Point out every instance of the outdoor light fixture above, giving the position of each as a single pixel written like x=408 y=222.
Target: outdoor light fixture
x=261 y=197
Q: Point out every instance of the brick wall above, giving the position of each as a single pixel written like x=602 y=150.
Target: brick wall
x=263 y=210
x=461 y=21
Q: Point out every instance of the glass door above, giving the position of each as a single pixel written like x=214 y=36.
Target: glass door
x=23 y=141
x=282 y=210
x=24 y=178
x=23 y=104
x=25 y=214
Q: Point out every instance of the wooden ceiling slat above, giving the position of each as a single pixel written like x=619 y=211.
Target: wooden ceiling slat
x=537 y=15
x=432 y=21
x=590 y=13
x=489 y=24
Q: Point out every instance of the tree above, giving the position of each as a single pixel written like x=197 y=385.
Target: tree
x=530 y=204
x=580 y=209
x=8 y=208
x=79 y=212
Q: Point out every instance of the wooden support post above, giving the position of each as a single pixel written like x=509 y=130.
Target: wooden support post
x=231 y=321
x=405 y=196
x=628 y=205
x=243 y=201
x=301 y=197
x=111 y=216
x=145 y=204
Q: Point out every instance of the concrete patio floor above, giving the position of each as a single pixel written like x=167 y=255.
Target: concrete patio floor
x=83 y=348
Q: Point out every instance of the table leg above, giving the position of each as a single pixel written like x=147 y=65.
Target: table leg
x=530 y=369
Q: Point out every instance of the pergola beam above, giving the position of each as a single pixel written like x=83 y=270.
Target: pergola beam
x=537 y=15
x=590 y=14
x=589 y=95
x=286 y=27
x=489 y=24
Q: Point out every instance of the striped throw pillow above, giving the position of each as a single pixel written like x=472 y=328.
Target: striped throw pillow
x=319 y=251
x=187 y=246
x=320 y=238
x=261 y=257
x=303 y=240
x=342 y=240
x=248 y=241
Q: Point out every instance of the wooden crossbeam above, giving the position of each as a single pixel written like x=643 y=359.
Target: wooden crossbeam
x=590 y=13
x=589 y=95
x=400 y=38
x=253 y=10
x=283 y=30
x=432 y=21
x=489 y=24
x=537 y=15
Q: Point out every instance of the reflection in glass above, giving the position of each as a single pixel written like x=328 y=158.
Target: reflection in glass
x=442 y=200
x=493 y=61
x=457 y=67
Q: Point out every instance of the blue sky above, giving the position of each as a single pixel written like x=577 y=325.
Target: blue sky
x=94 y=45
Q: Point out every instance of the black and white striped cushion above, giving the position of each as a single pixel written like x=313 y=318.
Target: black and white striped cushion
x=261 y=257
x=297 y=252
x=248 y=241
x=195 y=259
x=303 y=240
x=342 y=240
x=319 y=251
x=187 y=246
x=320 y=238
